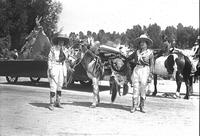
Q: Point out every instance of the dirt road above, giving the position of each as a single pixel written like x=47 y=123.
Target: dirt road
x=24 y=112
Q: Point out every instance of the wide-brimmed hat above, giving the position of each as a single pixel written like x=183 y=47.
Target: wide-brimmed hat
x=60 y=37
x=143 y=37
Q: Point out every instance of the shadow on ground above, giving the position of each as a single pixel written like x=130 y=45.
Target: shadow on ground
x=40 y=105
x=86 y=104
x=73 y=87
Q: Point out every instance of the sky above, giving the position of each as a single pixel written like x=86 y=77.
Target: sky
x=120 y=15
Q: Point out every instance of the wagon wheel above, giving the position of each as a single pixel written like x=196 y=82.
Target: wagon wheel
x=86 y=83
x=35 y=79
x=11 y=79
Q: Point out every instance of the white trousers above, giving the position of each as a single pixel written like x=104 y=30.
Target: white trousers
x=57 y=79
x=139 y=80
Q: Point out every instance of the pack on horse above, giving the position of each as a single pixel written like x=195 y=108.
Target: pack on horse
x=175 y=65
x=37 y=45
x=121 y=76
x=121 y=68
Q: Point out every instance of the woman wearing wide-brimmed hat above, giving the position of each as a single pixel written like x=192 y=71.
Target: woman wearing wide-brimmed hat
x=57 y=68
x=142 y=72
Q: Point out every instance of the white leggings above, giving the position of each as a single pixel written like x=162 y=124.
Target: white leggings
x=139 y=80
x=56 y=82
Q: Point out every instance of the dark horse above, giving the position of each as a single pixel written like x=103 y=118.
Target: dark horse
x=37 y=45
x=94 y=68
x=175 y=65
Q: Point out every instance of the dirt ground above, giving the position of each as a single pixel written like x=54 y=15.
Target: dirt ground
x=24 y=112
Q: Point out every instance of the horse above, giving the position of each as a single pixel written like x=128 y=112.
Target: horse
x=175 y=65
x=92 y=64
x=37 y=45
x=193 y=55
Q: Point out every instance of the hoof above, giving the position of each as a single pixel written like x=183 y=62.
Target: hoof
x=154 y=94
x=51 y=107
x=177 y=95
x=142 y=110
x=93 y=106
x=58 y=106
x=186 y=97
x=133 y=110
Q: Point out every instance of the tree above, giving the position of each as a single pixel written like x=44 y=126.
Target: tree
x=154 y=32
x=132 y=34
x=170 y=32
x=18 y=18
x=81 y=35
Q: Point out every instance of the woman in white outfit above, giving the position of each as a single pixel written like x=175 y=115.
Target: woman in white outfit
x=142 y=73
x=57 y=69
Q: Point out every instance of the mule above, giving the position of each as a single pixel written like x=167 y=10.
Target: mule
x=94 y=69
x=175 y=65
x=37 y=45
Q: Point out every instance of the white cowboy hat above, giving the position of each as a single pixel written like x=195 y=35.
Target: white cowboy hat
x=60 y=37
x=143 y=37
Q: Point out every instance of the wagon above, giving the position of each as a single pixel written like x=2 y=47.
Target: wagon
x=13 y=69
x=35 y=70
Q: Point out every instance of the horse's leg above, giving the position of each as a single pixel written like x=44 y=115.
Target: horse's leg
x=96 y=98
x=155 y=84
x=178 y=83
x=191 y=79
x=125 y=88
x=189 y=86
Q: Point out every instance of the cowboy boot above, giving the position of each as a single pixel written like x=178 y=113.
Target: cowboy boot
x=134 y=105
x=142 y=105
x=58 y=99
x=52 y=101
